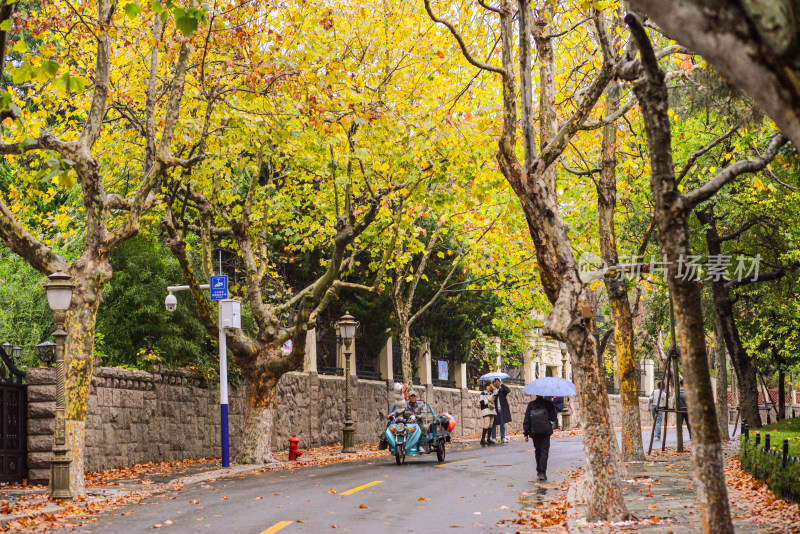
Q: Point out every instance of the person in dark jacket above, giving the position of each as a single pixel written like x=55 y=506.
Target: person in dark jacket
x=503 y=410
x=540 y=419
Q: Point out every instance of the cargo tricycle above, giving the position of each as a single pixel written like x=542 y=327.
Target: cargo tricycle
x=403 y=434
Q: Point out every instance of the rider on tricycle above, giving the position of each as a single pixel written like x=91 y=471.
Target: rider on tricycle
x=409 y=433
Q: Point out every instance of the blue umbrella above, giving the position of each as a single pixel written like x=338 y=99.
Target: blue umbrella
x=493 y=375
x=550 y=386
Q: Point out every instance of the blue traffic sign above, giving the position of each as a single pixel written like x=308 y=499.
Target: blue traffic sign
x=219 y=287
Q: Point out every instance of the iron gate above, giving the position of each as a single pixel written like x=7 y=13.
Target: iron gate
x=13 y=422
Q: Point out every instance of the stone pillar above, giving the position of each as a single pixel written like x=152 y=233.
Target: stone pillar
x=385 y=363
x=41 y=422
x=460 y=375
x=650 y=376
x=424 y=365
x=310 y=362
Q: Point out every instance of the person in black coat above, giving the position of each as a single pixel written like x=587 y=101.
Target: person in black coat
x=540 y=419
x=503 y=410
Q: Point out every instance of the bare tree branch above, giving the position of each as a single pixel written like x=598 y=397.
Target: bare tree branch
x=692 y=199
x=460 y=40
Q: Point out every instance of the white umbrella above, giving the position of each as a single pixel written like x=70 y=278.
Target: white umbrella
x=550 y=386
x=493 y=375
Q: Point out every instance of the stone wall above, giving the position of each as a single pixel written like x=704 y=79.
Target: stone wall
x=132 y=417
x=137 y=417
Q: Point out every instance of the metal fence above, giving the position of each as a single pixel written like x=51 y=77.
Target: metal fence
x=327 y=344
x=397 y=365
x=514 y=373
x=365 y=364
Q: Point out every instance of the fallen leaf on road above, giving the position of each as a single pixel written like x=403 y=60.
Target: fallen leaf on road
x=194 y=502
x=653 y=507
x=168 y=522
x=334 y=526
x=421 y=499
x=363 y=506
x=156 y=526
x=224 y=498
x=332 y=491
x=259 y=498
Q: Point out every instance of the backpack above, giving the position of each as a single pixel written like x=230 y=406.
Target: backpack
x=540 y=421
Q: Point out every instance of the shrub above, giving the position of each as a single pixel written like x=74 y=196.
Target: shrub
x=768 y=466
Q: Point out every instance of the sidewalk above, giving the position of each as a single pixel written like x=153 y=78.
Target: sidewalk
x=660 y=493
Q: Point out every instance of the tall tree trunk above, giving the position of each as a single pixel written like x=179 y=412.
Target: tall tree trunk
x=632 y=447
x=89 y=277
x=743 y=364
x=572 y=317
x=405 y=354
x=721 y=366
x=548 y=120
x=671 y=214
x=255 y=446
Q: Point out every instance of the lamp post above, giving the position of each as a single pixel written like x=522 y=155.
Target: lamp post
x=565 y=422
x=47 y=352
x=347 y=332
x=59 y=297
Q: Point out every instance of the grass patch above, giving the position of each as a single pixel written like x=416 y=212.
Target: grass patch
x=786 y=429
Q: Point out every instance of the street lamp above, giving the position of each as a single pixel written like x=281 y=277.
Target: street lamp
x=565 y=411
x=17 y=351
x=59 y=297
x=347 y=332
x=47 y=352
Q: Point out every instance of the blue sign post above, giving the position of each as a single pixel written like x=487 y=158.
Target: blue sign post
x=219 y=287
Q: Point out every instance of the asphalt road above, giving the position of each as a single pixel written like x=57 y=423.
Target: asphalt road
x=473 y=489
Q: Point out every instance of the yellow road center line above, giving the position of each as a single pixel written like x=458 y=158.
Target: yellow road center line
x=458 y=462
x=277 y=526
x=365 y=486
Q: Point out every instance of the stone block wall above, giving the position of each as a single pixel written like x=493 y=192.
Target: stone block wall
x=132 y=417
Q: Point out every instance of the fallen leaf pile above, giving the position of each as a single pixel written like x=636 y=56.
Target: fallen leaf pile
x=72 y=514
x=756 y=503
x=140 y=471
x=549 y=513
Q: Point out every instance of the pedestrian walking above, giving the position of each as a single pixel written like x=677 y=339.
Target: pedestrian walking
x=686 y=414
x=503 y=410
x=540 y=419
x=488 y=413
x=656 y=403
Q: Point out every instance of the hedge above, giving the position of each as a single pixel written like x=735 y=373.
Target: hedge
x=782 y=475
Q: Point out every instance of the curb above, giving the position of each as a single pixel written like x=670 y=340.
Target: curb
x=575 y=518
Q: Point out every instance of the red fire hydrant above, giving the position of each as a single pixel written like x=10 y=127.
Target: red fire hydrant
x=294 y=452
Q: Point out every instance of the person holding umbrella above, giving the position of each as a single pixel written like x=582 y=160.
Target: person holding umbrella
x=540 y=419
x=540 y=416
